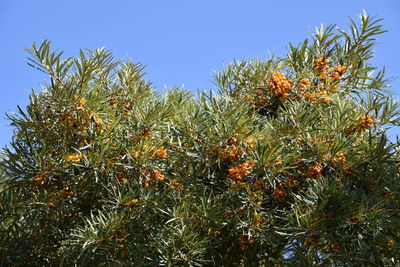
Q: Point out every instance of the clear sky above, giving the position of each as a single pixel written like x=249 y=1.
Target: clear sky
x=181 y=42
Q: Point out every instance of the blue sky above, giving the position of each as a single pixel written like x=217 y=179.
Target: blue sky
x=181 y=42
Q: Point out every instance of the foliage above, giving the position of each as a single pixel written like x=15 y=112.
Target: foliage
x=289 y=164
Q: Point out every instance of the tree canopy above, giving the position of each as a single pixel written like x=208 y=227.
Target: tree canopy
x=288 y=163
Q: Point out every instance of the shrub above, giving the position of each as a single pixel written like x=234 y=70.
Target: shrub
x=288 y=164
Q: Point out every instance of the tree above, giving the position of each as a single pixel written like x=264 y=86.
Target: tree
x=288 y=164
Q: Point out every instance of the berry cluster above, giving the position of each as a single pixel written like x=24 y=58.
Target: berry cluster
x=325 y=72
x=365 y=123
x=157 y=175
x=315 y=171
x=322 y=65
x=280 y=85
x=240 y=171
x=340 y=157
x=337 y=72
x=40 y=180
x=68 y=192
x=81 y=102
x=303 y=85
x=161 y=153
x=259 y=184
x=278 y=192
x=317 y=96
x=230 y=153
x=245 y=241
x=75 y=158
x=174 y=184
x=151 y=176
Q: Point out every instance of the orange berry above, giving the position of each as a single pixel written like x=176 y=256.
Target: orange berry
x=314 y=171
x=146 y=132
x=82 y=102
x=161 y=153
